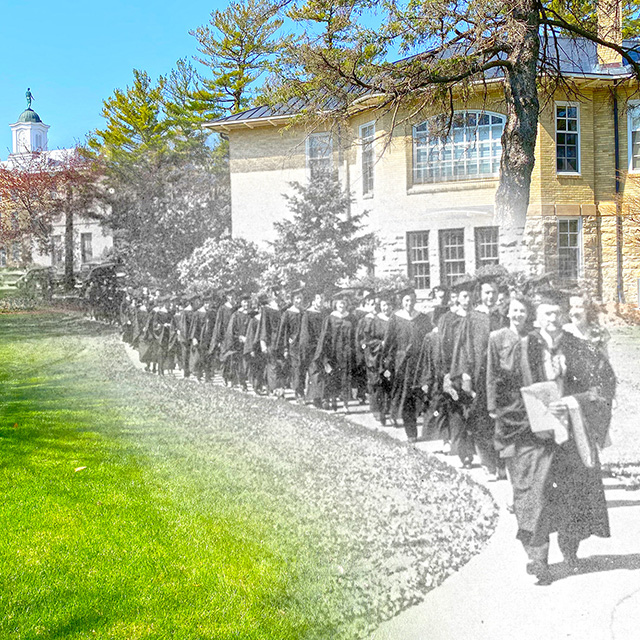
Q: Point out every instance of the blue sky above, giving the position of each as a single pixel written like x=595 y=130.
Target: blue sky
x=74 y=54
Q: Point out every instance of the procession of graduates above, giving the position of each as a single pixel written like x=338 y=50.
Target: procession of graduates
x=461 y=363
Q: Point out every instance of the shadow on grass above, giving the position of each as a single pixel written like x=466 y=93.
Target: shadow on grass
x=18 y=327
x=76 y=625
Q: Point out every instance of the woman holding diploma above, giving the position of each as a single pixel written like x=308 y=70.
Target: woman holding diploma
x=557 y=485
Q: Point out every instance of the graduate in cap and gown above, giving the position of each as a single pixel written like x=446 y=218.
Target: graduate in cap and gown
x=454 y=399
x=372 y=332
x=161 y=330
x=288 y=343
x=469 y=363
x=557 y=483
x=254 y=359
x=400 y=353
x=310 y=331
x=335 y=353
x=269 y=326
x=234 y=341
x=223 y=316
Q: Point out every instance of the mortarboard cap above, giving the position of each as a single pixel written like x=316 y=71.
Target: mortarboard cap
x=407 y=291
x=549 y=295
x=464 y=283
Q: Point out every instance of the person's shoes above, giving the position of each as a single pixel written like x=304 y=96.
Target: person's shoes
x=541 y=571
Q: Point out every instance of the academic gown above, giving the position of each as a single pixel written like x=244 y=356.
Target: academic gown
x=310 y=331
x=470 y=359
x=233 y=345
x=254 y=358
x=288 y=341
x=400 y=354
x=452 y=411
x=223 y=317
x=269 y=326
x=373 y=331
x=335 y=355
x=553 y=489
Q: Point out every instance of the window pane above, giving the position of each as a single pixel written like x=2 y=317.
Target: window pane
x=459 y=153
x=418 y=255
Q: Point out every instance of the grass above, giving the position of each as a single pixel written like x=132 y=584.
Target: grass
x=136 y=506
x=102 y=538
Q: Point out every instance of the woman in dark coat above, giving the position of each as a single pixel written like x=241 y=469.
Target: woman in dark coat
x=400 y=354
x=554 y=490
x=335 y=354
x=373 y=331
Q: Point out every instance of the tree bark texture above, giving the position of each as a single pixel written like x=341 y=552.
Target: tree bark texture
x=69 y=277
x=522 y=109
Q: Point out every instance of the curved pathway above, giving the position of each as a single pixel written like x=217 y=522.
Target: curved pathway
x=492 y=597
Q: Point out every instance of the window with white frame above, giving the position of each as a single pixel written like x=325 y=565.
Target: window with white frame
x=471 y=149
x=57 y=257
x=86 y=247
x=633 y=129
x=487 y=247
x=567 y=138
x=418 y=259
x=569 y=248
x=16 y=252
x=367 y=137
x=452 y=262
x=319 y=154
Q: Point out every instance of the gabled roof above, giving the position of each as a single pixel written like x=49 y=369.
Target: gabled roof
x=573 y=57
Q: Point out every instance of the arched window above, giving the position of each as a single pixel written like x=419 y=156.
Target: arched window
x=471 y=149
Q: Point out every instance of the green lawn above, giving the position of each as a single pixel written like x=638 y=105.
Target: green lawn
x=136 y=506
x=111 y=528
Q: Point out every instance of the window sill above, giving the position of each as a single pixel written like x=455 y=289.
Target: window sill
x=572 y=176
x=453 y=185
x=367 y=196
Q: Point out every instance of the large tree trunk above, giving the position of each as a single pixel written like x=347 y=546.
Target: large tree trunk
x=69 y=277
x=520 y=131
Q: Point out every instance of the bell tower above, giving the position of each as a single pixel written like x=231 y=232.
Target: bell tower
x=29 y=132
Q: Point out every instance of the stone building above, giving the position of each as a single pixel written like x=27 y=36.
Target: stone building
x=430 y=199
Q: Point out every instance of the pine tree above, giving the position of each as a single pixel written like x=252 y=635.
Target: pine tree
x=237 y=45
x=323 y=242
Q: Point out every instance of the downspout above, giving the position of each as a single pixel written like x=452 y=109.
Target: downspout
x=619 y=229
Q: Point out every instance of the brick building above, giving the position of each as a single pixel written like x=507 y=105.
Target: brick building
x=92 y=241
x=431 y=201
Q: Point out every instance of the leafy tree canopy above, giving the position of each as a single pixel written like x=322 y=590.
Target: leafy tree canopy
x=223 y=263
x=449 y=49
x=165 y=186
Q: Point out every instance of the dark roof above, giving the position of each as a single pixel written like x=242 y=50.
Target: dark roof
x=291 y=108
x=29 y=115
x=575 y=57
